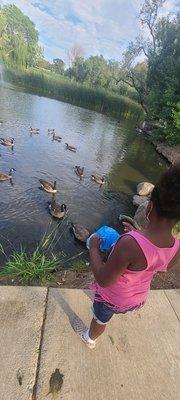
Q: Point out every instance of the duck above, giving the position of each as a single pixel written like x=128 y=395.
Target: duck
x=7 y=142
x=79 y=171
x=80 y=232
x=5 y=177
x=57 y=210
x=51 y=130
x=34 y=130
x=56 y=137
x=98 y=179
x=71 y=148
x=47 y=186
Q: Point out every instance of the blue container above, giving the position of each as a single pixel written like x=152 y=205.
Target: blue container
x=109 y=237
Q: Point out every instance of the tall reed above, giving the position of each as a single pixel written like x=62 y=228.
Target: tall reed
x=56 y=86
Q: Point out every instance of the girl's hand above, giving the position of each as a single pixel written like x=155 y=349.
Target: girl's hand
x=94 y=242
x=128 y=227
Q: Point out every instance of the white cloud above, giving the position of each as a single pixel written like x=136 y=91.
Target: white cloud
x=103 y=26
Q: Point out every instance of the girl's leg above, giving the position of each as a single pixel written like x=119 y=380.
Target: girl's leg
x=101 y=315
x=96 y=329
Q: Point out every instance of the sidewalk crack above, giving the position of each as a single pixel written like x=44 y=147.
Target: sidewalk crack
x=34 y=393
x=171 y=305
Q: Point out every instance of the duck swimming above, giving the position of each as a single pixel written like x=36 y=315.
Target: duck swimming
x=56 y=137
x=47 y=186
x=34 y=130
x=5 y=177
x=71 y=148
x=79 y=171
x=80 y=232
x=57 y=210
x=98 y=179
x=7 y=142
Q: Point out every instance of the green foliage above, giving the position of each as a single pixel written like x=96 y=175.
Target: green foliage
x=36 y=267
x=163 y=79
x=55 y=86
x=58 y=66
x=18 y=37
x=106 y=86
x=176 y=116
x=29 y=269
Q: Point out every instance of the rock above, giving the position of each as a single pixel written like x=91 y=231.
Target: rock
x=144 y=188
x=129 y=220
x=140 y=215
x=138 y=200
x=171 y=153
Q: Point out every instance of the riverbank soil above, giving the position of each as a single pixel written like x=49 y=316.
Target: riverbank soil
x=74 y=280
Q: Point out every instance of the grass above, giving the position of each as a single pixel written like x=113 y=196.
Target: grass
x=61 y=88
x=36 y=267
x=30 y=269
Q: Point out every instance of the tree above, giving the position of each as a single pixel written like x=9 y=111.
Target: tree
x=148 y=18
x=3 y=30
x=76 y=54
x=58 y=66
x=163 y=78
x=97 y=71
x=136 y=77
x=21 y=46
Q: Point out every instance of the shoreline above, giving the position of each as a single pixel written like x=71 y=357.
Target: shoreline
x=94 y=99
x=70 y=279
x=169 y=152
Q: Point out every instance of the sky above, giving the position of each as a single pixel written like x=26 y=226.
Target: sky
x=99 y=26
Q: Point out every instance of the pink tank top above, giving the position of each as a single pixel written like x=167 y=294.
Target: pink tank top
x=132 y=287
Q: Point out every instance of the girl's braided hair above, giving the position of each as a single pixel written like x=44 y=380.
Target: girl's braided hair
x=166 y=194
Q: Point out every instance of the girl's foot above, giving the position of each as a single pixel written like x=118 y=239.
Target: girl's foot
x=87 y=340
x=82 y=331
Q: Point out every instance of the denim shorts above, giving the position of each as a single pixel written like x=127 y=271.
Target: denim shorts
x=102 y=313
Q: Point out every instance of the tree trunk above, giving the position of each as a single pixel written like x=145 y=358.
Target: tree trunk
x=143 y=105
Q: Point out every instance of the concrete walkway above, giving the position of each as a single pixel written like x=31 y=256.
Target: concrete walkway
x=138 y=358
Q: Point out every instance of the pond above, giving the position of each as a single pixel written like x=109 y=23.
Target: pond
x=104 y=146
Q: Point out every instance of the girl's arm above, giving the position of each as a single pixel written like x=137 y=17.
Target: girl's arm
x=120 y=258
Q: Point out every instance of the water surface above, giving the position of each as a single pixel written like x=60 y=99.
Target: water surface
x=104 y=146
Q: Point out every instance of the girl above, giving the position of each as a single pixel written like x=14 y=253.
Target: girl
x=123 y=282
